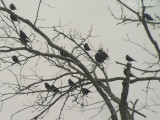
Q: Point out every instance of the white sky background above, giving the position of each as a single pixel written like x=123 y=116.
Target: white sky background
x=82 y=14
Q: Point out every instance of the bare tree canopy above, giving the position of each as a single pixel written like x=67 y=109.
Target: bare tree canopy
x=48 y=70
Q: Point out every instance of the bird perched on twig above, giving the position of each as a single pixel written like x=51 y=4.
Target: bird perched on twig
x=13 y=17
x=125 y=73
x=99 y=58
x=103 y=54
x=85 y=91
x=129 y=59
x=48 y=87
x=71 y=83
x=12 y=7
x=148 y=17
x=23 y=35
x=86 y=47
x=15 y=59
x=54 y=89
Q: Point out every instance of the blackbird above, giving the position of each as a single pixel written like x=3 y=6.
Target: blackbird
x=13 y=17
x=15 y=59
x=85 y=91
x=86 y=47
x=70 y=82
x=23 y=41
x=148 y=17
x=23 y=35
x=103 y=54
x=125 y=73
x=99 y=58
x=12 y=7
x=48 y=87
x=129 y=59
x=55 y=89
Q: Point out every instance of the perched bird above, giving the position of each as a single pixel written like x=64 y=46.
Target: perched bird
x=125 y=73
x=54 y=89
x=148 y=17
x=71 y=83
x=99 y=58
x=86 y=47
x=23 y=35
x=12 y=7
x=15 y=59
x=13 y=17
x=103 y=54
x=129 y=59
x=85 y=91
x=48 y=87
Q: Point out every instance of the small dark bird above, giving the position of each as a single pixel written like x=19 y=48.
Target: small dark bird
x=86 y=47
x=148 y=17
x=85 y=91
x=71 y=83
x=48 y=87
x=125 y=73
x=23 y=41
x=129 y=59
x=12 y=7
x=99 y=58
x=15 y=59
x=103 y=54
x=13 y=17
x=23 y=35
x=55 y=89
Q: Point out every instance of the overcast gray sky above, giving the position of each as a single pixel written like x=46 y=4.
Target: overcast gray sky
x=82 y=15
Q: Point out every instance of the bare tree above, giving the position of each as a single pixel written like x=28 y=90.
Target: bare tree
x=73 y=73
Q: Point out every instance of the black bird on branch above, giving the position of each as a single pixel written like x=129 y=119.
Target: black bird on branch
x=48 y=87
x=23 y=35
x=13 y=17
x=148 y=17
x=15 y=59
x=55 y=89
x=12 y=7
x=86 y=47
x=99 y=58
x=71 y=83
x=85 y=91
x=125 y=73
x=103 y=54
x=129 y=59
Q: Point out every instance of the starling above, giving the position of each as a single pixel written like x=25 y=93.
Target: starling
x=86 y=47
x=71 y=83
x=23 y=35
x=48 y=87
x=103 y=54
x=13 y=17
x=125 y=73
x=55 y=89
x=85 y=91
x=15 y=59
x=12 y=7
x=148 y=17
x=129 y=59
x=99 y=58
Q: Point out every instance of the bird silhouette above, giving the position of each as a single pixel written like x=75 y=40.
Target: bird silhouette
x=12 y=7
x=23 y=35
x=15 y=59
x=148 y=17
x=103 y=54
x=13 y=17
x=125 y=73
x=71 y=83
x=99 y=58
x=54 y=89
x=86 y=47
x=129 y=59
x=23 y=41
x=85 y=91
x=48 y=87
